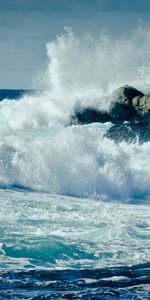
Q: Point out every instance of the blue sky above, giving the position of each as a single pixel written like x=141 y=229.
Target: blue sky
x=27 y=25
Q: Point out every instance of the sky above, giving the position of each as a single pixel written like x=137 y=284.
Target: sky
x=26 y=26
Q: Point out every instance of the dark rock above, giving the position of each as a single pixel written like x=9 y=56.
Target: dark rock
x=129 y=133
x=122 y=108
x=121 y=112
x=90 y=115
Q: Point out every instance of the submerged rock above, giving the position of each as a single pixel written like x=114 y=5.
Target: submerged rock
x=129 y=133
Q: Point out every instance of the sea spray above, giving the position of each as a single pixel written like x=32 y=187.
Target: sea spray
x=82 y=71
x=75 y=217
x=74 y=160
x=85 y=71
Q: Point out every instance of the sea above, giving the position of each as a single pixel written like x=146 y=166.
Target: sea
x=75 y=205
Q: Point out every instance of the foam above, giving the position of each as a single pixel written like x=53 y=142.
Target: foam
x=38 y=152
x=81 y=71
x=75 y=161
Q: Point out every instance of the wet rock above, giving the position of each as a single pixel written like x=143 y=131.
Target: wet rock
x=125 y=94
x=118 y=113
x=90 y=115
x=121 y=112
x=141 y=105
x=123 y=108
x=129 y=133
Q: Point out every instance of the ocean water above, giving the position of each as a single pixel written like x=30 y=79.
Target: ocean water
x=75 y=206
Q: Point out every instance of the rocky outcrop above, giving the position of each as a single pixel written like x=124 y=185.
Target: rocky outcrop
x=141 y=104
x=121 y=112
x=125 y=94
x=129 y=133
x=129 y=112
x=138 y=117
x=121 y=109
x=90 y=115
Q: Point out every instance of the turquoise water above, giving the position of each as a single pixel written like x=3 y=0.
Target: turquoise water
x=74 y=222
x=66 y=247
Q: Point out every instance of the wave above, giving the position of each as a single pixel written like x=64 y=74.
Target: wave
x=82 y=71
x=36 y=149
x=74 y=161
x=40 y=230
x=124 y=283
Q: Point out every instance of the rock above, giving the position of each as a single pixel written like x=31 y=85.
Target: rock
x=125 y=94
x=121 y=112
x=122 y=108
x=141 y=105
x=129 y=133
x=90 y=115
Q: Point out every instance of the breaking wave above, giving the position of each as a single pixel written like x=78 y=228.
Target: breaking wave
x=36 y=149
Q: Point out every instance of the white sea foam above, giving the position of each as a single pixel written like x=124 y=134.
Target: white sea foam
x=82 y=71
x=43 y=231
x=37 y=151
x=75 y=161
